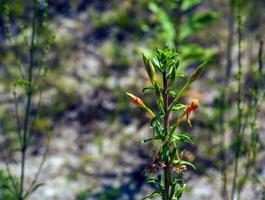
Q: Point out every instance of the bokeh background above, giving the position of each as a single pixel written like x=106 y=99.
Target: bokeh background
x=95 y=151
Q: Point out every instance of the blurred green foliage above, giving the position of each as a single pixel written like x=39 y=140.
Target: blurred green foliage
x=5 y=193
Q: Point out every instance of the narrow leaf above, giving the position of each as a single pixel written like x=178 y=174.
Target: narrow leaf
x=178 y=107
x=147 y=89
x=156 y=118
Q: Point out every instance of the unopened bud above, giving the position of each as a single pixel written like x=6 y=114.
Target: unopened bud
x=138 y=102
x=196 y=74
x=149 y=68
x=135 y=100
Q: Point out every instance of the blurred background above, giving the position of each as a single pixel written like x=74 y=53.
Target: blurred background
x=93 y=52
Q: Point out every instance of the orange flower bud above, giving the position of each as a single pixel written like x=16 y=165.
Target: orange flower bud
x=138 y=102
x=192 y=106
x=135 y=100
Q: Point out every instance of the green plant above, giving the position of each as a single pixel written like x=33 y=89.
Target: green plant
x=5 y=183
x=167 y=156
x=176 y=23
x=223 y=103
x=246 y=139
x=28 y=86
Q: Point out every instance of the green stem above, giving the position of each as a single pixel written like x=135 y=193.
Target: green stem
x=223 y=99
x=28 y=106
x=239 y=108
x=166 y=125
x=178 y=95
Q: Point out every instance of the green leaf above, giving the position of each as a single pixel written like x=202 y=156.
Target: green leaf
x=182 y=137
x=179 y=74
x=157 y=66
x=188 y=4
x=178 y=107
x=182 y=162
x=179 y=192
x=154 y=194
x=159 y=131
x=175 y=106
x=150 y=139
x=143 y=141
x=159 y=96
x=170 y=71
x=195 y=53
x=204 y=18
x=147 y=89
x=171 y=92
x=157 y=117
x=21 y=83
x=151 y=180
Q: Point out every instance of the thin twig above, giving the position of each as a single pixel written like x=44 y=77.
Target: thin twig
x=28 y=106
x=239 y=100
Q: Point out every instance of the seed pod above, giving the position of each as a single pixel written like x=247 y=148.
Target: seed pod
x=196 y=74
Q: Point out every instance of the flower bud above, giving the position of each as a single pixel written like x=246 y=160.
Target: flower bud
x=138 y=102
x=135 y=100
x=196 y=74
x=149 y=68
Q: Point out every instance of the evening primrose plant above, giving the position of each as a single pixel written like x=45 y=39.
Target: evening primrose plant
x=166 y=164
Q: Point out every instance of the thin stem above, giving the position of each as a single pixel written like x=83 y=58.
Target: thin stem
x=166 y=125
x=239 y=108
x=222 y=109
x=33 y=183
x=259 y=82
x=255 y=134
x=28 y=106
x=178 y=95
x=254 y=107
x=17 y=118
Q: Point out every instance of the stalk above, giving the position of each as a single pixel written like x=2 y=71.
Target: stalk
x=25 y=134
x=239 y=108
x=166 y=124
x=253 y=125
x=222 y=109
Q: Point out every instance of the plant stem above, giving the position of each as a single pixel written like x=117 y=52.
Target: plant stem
x=239 y=109
x=28 y=106
x=166 y=124
x=222 y=109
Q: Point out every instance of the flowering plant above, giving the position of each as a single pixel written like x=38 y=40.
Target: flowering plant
x=167 y=162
